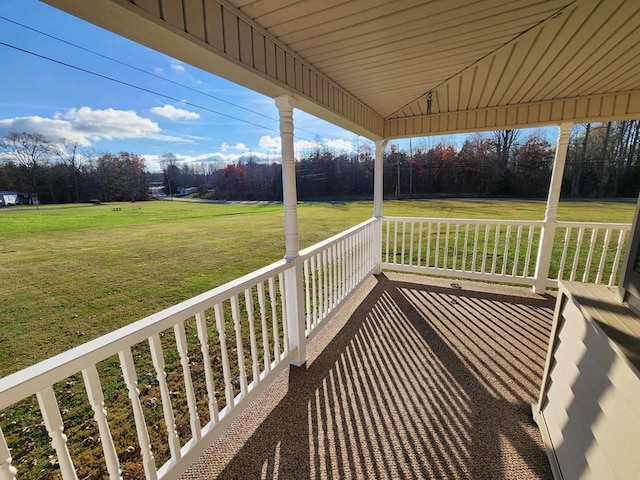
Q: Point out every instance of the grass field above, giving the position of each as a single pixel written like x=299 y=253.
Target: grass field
x=73 y=273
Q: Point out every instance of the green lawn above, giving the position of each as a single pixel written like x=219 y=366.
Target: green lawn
x=72 y=273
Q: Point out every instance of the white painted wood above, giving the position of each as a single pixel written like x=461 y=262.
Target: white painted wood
x=505 y=257
x=378 y=179
x=446 y=246
x=395 y=242
x=437 y=253
x=588 y=399
x=563 y=259
x=576 y=255
x=55 y=428
x=420 y=233
x=285 y=314
x=255 y=368
x=428 y=256
x=96 y=400
x=475 y=247
x=307 y=293
x=7 y=471
x=235 y=315
x=487 y=229
x=616 y=260
x=516 y=255
x=455 y=247
x=285 y=104
x=603 y=255
x=131 y=381
x=548 y=230
x=496 y=242
x=266 y=354
x=224 y=356
x=592 y=245
x=183 y=351
x=274 y=320
x=203 y=338
x=527 y=259
x=402 y=242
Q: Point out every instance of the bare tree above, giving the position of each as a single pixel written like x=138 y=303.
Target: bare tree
x=69 y=153
x=30 y=150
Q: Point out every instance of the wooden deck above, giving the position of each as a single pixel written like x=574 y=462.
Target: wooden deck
x=414 y=378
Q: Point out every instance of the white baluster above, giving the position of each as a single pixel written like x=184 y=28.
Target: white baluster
x=325 y=276
x=496 y=242
x=592 y=246
x=314 y=292
x=527 y=259
x=307 y=295
x=183 y=351
x=455 y=246
x=336 y=274
x=420 y=229
x=446 y=246
x=255 y=369
x=395 y=242
x=274 y=320
x=131 y=381
x=203 y=337
x=435 y=263
x=428 y=257
x=157 y=357
x=616 y=260
x=96 y=400
x=475 y=247
x=516 y=255
x=603 y=256
x=464 y=247
x=283 y=309
x=265 y=331
x=486 y=246
x=235 y=314
x=55 y=427
x=226 y=370
x=576 y=256
x=507 y=239
x=386 y=244
x=7 y=471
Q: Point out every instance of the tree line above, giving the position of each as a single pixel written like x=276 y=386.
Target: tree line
x=603 y=160
x=64 y=172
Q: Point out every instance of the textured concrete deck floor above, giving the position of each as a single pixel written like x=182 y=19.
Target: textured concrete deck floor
x=415 y=378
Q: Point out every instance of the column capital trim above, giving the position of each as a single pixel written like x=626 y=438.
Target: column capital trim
x=285 y=102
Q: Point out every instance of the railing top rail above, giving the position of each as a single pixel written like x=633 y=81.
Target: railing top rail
x=310 y=251
x=480 y=221
x=621 y=226
x=31 y=380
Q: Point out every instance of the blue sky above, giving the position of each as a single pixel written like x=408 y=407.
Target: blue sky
x=40 y=95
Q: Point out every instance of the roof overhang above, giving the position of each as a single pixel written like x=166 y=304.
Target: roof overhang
x=370 y=65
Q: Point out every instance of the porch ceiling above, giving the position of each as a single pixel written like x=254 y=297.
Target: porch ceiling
x=368 y=65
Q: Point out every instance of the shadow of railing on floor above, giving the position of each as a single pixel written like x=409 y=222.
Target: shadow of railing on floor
x=422 y=382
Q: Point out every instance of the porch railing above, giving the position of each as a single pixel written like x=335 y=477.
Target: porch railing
x=334 y=268
x=199 y=362
x=180 y=376
x=503 y=250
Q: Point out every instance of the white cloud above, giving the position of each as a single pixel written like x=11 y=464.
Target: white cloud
x=269 y=142
x=86 y=126
x=339 y=144
x=177 y=67
x=174 y=113
x=225 y=147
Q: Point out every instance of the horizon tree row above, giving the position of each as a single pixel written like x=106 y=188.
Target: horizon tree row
x=603 y=160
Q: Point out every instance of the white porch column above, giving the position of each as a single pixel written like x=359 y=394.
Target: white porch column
x=293 y=287
x=549 y=228
x=378 y=185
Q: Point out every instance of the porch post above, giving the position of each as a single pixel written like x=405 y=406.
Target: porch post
x=549 y=228
x=294 y=311
x=378 y=185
